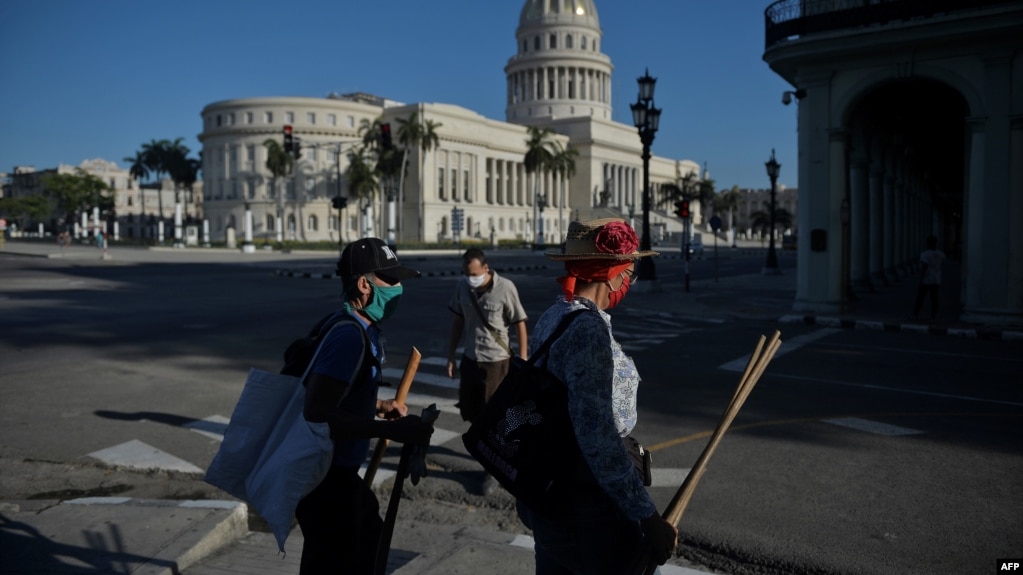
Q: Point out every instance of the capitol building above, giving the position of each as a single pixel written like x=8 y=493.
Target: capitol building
x=557 y=79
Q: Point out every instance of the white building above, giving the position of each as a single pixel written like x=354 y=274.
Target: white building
x=137 y=208
x=910 y=125
x=558 y=79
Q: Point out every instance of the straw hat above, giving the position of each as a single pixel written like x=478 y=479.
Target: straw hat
x=603 y=239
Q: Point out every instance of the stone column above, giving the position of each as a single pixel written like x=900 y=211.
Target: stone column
x=888 y=253
x=859 y=222
x=876 y=231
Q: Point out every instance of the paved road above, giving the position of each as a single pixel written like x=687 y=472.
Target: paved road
x=859 y=452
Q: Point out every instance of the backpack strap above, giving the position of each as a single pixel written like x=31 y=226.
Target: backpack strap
x=546 y=345
x=327 y=325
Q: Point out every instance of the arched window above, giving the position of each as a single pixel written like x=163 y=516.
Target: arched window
x=554 y=41
x=583 y=43
x=536 y=42
x=568 y=42
x=270 y=220
x=312 y=225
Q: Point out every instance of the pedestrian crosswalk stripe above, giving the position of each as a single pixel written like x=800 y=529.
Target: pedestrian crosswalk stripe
x=869 y=426
x=668 y=476
x=442 y=436
x=739 y=364
x=138 y=455
x=213 y=426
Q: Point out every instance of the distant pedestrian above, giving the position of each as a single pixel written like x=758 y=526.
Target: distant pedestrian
x=930 y=277
x=485 y=305
x=63 y=240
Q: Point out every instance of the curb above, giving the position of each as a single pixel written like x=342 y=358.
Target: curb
x=986 y=333
x=203 y=538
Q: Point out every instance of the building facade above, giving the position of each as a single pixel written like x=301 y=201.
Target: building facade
x=910 y=124
x=558 y=79
x=138 y=209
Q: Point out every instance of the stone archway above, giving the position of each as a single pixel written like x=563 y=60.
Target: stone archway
x=906 y=164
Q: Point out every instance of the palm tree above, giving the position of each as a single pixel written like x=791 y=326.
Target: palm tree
x=728 y=201
x=563 y=165
x=155 y=153
x=176 y=163
x=538 y=160
x=370 y=132
x=387 y=166
x=761 y=219
x=139 y=171
x=280 y=164
x=685 y=188
x=705 y=193
x=413 y=132
x=362 y=183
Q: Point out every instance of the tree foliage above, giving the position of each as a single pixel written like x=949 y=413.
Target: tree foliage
x=361 y=176
x=279 y=162
x=26 y=209
x=77 y=192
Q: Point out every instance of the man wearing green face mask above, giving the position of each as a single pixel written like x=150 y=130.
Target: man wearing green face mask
x=340 y=518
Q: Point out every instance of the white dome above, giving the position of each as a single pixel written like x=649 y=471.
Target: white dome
x=558 y=70
x=542 y=11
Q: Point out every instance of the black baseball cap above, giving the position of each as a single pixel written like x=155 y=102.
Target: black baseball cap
x=371 y=255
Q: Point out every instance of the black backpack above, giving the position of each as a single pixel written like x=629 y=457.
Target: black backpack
x=524 y=437
x=301 y=351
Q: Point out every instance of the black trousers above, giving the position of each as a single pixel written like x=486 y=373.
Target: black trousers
x=341 y=524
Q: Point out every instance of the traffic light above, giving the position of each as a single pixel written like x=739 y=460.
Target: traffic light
x=683 y=209
x=385 y=137
x=289 y=142
x=339 y=202
x=296 y=148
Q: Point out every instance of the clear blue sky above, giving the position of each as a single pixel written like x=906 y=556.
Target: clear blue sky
x=97 y=79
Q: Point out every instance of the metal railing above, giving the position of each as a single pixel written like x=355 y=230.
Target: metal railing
x=787 y=19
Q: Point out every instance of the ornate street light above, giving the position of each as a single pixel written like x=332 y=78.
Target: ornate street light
x=646 y=118
x=773 y=167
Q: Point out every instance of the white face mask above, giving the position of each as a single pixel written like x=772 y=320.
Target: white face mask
x=476 y=281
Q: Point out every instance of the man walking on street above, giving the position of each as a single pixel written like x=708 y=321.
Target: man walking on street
x=930 y=277
x=485 y=306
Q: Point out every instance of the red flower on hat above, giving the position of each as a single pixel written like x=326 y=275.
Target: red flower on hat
x=616 y=238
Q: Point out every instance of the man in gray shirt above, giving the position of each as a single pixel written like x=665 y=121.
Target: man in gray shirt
x=485 y=306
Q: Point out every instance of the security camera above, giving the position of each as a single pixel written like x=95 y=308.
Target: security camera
x=786 y=96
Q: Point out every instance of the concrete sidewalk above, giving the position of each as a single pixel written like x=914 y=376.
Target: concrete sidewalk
x=151 y=537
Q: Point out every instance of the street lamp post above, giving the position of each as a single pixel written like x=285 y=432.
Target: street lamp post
x=773 y=167
x=541 y=203
x=646 y=119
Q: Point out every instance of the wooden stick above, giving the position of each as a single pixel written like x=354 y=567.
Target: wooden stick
x=673 y=513
x=406 y=382
x=749 y=365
